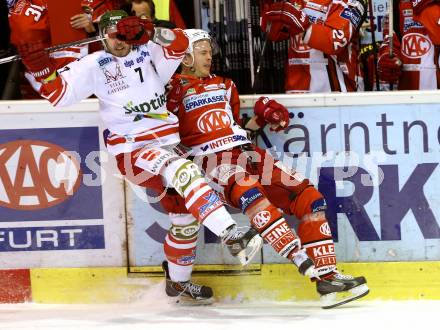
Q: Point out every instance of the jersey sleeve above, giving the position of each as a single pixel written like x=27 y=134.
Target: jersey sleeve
x=167 y=59
x=234 y=101
x=74 y=84
x=174 y=95
x=343 y=20
x=429 y=16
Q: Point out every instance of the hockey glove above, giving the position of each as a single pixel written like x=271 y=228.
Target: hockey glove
x=134 y=30
x=37 y=61
x=271 y=112
x=389 y=68
x=282 y=20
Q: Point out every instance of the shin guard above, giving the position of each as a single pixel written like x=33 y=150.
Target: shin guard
x=316 y=237
x=180 y=246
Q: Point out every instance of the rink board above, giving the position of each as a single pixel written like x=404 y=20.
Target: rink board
x=278 y=282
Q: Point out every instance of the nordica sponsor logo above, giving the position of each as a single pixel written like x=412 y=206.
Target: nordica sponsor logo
x=221 y=142
x=248 y=198
x=196 y=101
x=147 y=106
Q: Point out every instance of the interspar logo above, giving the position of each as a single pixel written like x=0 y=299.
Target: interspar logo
x=36 y=174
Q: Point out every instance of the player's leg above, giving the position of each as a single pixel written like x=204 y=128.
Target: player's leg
x=295 y=195
x=229 y=171
x=198 y=198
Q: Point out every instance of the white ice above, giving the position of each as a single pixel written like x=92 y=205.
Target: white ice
x=154 y=311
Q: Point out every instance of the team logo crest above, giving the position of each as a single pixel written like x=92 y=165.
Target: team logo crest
x=113 y=77
x=415 y=45
x=214 y=120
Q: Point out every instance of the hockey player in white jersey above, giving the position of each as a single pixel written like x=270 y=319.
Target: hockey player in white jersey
x=128 y=77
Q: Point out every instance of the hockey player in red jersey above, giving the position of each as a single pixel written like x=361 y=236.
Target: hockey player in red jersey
x=323 y=45
x=128 y=78
x=247 y=177
x=414 y=64
x=29 y=22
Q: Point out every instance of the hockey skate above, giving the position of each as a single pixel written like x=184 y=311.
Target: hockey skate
x=243 y=245
x=187 y=293
x=338 y=289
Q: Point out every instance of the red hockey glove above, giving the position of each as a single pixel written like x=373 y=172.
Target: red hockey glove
x=271 y=112
x=389 y=68
x=134 y=30
x=37 y=61
x=282 y=20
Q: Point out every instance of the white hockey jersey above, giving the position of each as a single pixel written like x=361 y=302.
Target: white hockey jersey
x=131 y=93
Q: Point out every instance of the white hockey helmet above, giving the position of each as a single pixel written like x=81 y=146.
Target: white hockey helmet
x=195 y=35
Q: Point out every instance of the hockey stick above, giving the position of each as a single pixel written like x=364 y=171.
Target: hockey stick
x=391 y=32
x=247 y=15
x=373 y=42
x=261 y=59
x=78 y=43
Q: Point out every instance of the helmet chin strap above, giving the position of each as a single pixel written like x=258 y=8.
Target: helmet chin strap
x=191 y=65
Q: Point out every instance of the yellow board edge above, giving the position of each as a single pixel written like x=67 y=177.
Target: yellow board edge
x=274 y=282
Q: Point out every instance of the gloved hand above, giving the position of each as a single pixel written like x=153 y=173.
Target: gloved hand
x=37 y=61
x=271 y=112
x=134 y=30
x=389 y=68
x=282 y=20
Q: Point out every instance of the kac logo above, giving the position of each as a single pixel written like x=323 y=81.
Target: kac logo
x=415 y=45
x=36 y=174
x=261 y=219
x=214 y=120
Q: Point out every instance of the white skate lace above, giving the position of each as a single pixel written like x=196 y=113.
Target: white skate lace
x=340 y=276
x=191 y=288
x=233 y=234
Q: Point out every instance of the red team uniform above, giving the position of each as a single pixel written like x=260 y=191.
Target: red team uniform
x=29 y=23
x=420 y=32
x=323 y=54
x=208 y=111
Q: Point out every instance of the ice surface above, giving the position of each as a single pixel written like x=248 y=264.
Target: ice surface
x=154 y=311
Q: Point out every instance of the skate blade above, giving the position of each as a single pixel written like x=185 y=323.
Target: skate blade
x=188 y=301
x=254 y=245
x=336 y=299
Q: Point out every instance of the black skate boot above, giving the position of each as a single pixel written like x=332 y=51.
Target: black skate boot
x=187 y=293
x=243 y=245
x=338 y=289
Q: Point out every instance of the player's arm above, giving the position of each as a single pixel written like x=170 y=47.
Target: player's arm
x=167 y=51
x=73 y=85
x=167 y=48
x=174 y=92
x=234 y=101
x=283 y=20
x=268 y=112
x=427 y=12
x=343 y=21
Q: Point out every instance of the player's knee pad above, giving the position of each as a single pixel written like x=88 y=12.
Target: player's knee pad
x=308 y=201
x=182 y=174
x=244 y=194
x=172 y=202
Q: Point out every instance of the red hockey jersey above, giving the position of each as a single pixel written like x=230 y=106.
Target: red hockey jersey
x=208 y=110
x=326 y=58
x=419 y=55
